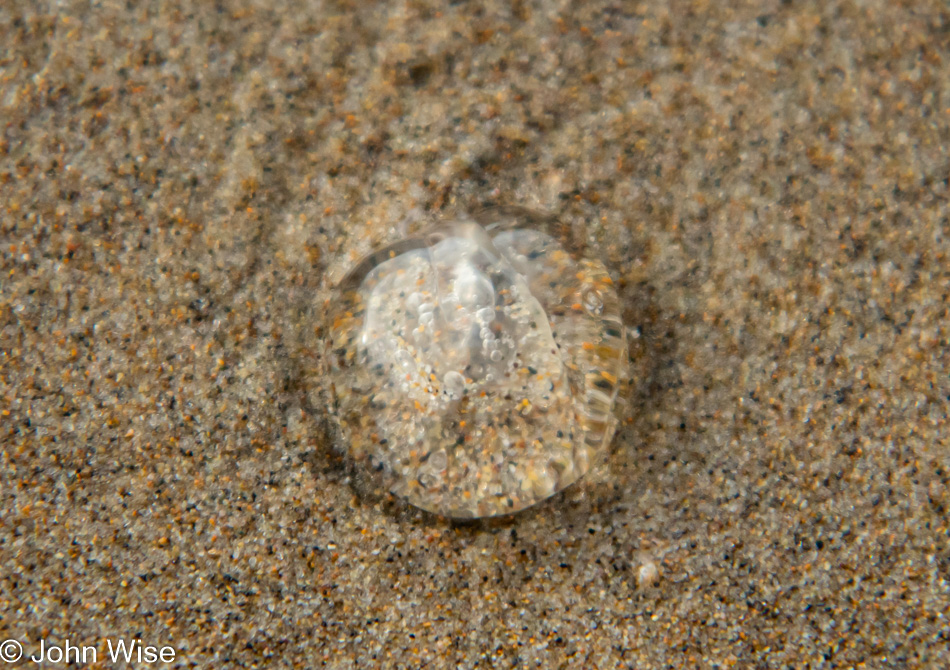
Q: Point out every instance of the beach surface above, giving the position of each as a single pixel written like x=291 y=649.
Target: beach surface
x=767 y=184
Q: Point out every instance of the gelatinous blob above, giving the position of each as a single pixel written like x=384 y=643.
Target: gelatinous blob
x=476 y=371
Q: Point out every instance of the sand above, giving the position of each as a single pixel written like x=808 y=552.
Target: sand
x=766 y=182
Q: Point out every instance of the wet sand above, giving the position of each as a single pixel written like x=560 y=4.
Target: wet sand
x=767 y=184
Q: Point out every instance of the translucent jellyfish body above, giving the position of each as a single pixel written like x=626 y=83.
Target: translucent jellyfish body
x=475 y=369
